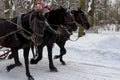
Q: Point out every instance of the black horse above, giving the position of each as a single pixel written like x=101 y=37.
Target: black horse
x=56 y=18
x=17 y=37
x=61 y=39
x=81 y=19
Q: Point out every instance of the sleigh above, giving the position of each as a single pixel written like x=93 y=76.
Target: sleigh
x=4 y=52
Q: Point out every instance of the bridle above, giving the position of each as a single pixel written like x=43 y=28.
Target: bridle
x=35 y=32
x=67 y=22
x=74 y=21
x=34 y=23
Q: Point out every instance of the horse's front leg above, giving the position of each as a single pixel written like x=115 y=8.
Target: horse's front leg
x=51 y=65
x=62 y=52
x=16 y=59
x=26 y=59
x=39 y=55
x=32 y=49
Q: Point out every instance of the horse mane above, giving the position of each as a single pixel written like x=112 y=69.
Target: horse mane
x=57 y=13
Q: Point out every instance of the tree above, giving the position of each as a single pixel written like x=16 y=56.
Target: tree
x=83 y=7
x=2 y=8
x=91 y=12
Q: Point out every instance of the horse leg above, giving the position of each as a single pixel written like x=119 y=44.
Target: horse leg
x=26 y=59
x=10 y=56
x=32 y=48
x=16 y=59
x=62 y=52
x=39 y=52
x=39 y=57
x=51 y=65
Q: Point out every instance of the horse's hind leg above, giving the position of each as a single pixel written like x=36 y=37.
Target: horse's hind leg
x=51 y=65
x=62 y=52
x=16 y=59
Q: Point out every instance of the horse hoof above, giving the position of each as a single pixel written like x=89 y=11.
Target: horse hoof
x=8 y=68
x=30 y=78
x=56 y=57
x=33 y=61
x=12 y=66
x=63 y=63
x=53 y=70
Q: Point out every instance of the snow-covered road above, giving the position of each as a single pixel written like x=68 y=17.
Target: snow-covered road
x=92 y=57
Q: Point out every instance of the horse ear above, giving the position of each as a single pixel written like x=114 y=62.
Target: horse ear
x=79 y=8
x=61 y=7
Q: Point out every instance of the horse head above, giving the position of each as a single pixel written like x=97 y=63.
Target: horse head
x=61 y=16
x=68 y=20
x=81 y=18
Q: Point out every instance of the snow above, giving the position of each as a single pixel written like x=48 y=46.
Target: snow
x=89 y=5
x=92 y=57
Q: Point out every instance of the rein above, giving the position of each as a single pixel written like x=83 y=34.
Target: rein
x=3 y=37
x=34 y=28
x=36 y=34
x=34 y=23
x=13 y=32
x=72 y=39
x=30 y=21
x=76 y=23
x=69 y=31
x=19 y=26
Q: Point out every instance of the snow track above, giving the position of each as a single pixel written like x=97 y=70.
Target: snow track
x=92 y=57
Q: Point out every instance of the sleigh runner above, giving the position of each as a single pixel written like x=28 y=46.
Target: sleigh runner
x=4 y=52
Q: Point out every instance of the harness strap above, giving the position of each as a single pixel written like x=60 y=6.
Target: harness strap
x=25 y=35
x=20 y=27
x=9 y=34
x=19 y=23
x=30 y=18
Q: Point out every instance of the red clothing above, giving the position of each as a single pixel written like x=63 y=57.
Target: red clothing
x=48 y=7
x=41 y=5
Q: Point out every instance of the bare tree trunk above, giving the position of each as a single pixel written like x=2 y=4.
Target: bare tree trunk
x=83 y=7
x=91 y=13
x=2 y=8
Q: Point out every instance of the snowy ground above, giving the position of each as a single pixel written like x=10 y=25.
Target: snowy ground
x=92 y=57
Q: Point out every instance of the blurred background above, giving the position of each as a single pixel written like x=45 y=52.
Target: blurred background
x=102 y=14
